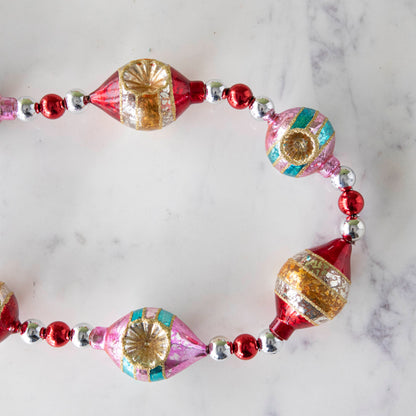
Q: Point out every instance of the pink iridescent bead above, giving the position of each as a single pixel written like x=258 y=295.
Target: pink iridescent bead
x=331 y=167
x=149 y=344
x=8 y=108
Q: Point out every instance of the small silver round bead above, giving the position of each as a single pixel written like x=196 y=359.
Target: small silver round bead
x=261 y=107
x=25 y=108
x=214 y=91
x=31 y=333
x=352 y=229
x=74 y=100
x=344 y=179
x=219 y=348
x=269 y=343
x=81 y=335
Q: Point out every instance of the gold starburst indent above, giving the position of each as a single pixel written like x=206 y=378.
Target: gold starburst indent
x=145 y=76
x=146 y=343
x=298 y=147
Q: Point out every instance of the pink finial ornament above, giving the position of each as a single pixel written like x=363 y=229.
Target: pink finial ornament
x=149 y=344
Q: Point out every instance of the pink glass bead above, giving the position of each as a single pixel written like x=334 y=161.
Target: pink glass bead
x=331 y=167
x=299 y=141
x=149 y=344
x=8 y=108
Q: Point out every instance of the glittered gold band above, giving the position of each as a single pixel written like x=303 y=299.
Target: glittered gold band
x=298 y=302
x=324 y=271
x=312 y=289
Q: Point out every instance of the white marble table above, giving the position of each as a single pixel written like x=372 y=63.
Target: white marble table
x=97 y=219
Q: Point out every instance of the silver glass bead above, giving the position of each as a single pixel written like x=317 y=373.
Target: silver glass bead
x=219 y=348
x=74 y=100
x=269 y=343
x=215 y=88
x=25 y=108
x=352 y=229
x=81 y=335
x=261 y=107
x=344 y=179
x=31 y=333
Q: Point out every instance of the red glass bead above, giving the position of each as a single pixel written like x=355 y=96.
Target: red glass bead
x=197 y=91
x=245 y=347
x=239 y=96
x=57 y=334
x=351 y=202
x=51 y=106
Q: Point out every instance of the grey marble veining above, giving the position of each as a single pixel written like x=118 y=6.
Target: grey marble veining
x=97 y=219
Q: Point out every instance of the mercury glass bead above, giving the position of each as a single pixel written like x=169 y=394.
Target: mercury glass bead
x=31 y=331
x=260 y=107
x=352 y=229
x=219 y=348
x=74 y=101
x=215 y=88
x=269 y=343
x=81 y=335
x=344 y=179
x=25 y=108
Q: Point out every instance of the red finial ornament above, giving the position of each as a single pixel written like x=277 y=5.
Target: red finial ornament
x=147 y=94
x=9 y=312
x=312 y=287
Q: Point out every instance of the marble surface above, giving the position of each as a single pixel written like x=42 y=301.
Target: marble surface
x=97 y=219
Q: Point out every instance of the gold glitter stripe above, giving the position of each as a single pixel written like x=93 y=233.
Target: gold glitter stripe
x=322 y=126
x=328 y=264
x=300 y=304
x=323 y=271
x=295 y=118
x=151 y=114
x=172 y=98
x=297 y=300
x=312 y=120
x=313 y=289
x=281 y=296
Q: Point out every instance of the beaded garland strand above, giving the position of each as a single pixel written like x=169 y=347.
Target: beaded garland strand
x=151 y=344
